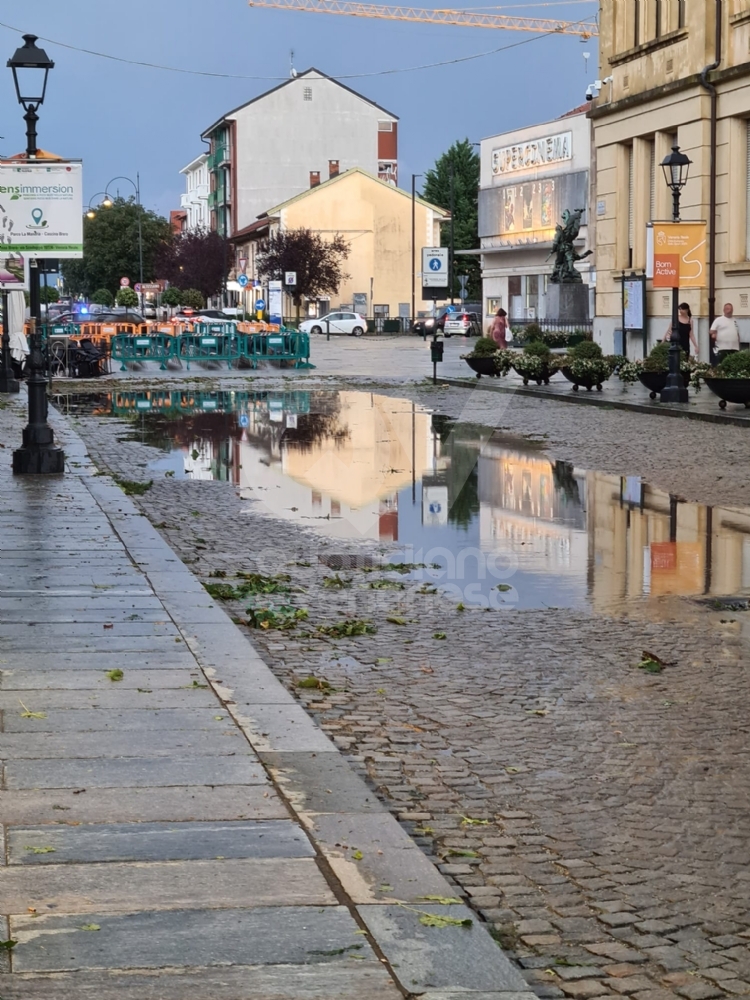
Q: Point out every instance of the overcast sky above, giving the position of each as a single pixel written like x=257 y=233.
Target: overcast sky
x=121 y=118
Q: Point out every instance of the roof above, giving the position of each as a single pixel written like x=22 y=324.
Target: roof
x=286 y=83
x=348 y=173
x=256 y=227
x=197 y=162
x=581 y=109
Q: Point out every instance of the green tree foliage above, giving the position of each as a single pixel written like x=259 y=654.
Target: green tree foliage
x=110 y=248
x=462 y=162
x=102 y=297
x=49 y=294
x=172 y=297
x=127 y=297
x=317 y=262
x=193 y=299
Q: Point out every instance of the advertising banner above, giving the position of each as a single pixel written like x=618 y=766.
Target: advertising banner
x=528 y=212
x=42 y=208
x=679 y=259
x=14 y=273
x=274 y=301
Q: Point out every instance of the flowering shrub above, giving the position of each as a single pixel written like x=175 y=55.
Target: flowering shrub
x=594 y=370
x=535 y=367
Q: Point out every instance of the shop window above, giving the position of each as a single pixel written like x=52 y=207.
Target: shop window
x=493 y=305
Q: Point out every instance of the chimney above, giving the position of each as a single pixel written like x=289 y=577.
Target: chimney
x=333 y=168
x=314 y=178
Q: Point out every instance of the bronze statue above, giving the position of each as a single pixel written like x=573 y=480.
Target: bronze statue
x=565 y=272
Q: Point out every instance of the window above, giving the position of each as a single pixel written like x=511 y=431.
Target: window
x=680 y=13
x=747 y=197
x=659 y=26
x=636 y=22
x=385 y=126
x=631 y=205
x=307 y=94
x=652 y=180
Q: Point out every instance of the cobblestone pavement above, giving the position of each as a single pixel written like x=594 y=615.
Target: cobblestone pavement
x=594 y=814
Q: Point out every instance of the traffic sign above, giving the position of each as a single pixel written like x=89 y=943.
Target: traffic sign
x=138 y=288
x=124 y=282
x=260 y=303
x=290 y=278
x=244 y=420
x=243 y=280
x=434 y=267
x=243 y=264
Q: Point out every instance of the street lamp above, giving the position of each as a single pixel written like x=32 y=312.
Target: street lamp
x=413 y=247
x=38 y=454
x=108 y=204
x=31 y=66
x=105 y=203
x=676 y=169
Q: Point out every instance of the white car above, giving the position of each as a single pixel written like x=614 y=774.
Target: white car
x=350 y=323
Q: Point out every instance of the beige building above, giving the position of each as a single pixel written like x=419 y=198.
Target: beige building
x=672 y=71
x=376 y=219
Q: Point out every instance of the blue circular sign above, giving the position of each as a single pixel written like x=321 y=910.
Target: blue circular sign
x=244 y=420
x=436 y=264
x=243 y=280
x=260 y=303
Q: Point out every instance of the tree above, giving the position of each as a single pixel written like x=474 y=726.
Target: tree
x=48 y=294
x=463 y=163
x=127 y=297
x=192 y=298
x=102 y=297
x=110 y=248
x=317 y=262
x=194 y=259
x=171 y=297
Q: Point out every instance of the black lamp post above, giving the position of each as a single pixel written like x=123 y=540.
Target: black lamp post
x=676 y=168
x=38 y=455
x=108 y=204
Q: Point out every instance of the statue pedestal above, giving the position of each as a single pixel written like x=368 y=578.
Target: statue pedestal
x=568 y=303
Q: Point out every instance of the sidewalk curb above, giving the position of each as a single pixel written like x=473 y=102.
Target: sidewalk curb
x=371 y=863
x=591 y=399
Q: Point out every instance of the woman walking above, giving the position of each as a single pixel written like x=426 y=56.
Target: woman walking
x=500 y=330
x=684 y=330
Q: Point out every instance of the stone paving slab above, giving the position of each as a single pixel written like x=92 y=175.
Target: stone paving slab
x=449 y=958
x=94 y=720
x=86 y=681
x=180 y=803
x=139 y=771
x=157 y=842
x=221 y=741
x=281 y=727
x=218 y=884
x=113 y=696
x=57 y=660
x=77 y=615
x=320 y=783
x=157 y=939
x=350 y=980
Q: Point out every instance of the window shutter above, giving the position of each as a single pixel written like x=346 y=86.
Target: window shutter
x=747 y=197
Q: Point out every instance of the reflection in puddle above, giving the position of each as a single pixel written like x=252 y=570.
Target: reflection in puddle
x=506 y=525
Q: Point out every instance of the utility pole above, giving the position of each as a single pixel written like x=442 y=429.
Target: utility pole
x=451 y=257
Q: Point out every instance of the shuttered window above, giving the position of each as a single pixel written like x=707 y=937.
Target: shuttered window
x=747 y=197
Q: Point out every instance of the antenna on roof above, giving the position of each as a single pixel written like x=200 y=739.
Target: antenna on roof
x=292 y=70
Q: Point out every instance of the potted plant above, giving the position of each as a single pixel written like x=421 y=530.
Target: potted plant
x=535 y=363
x=730 y=380
x=653 y=371
x=486 y=358
x=585 y=365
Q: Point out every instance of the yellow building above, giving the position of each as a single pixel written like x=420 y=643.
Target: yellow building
x=376 y=220
x=672 y=71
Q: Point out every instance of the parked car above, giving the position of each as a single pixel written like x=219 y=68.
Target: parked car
x=351 y=323
x=462 y=324
x=149 y=310
x=114 y=315
x=428 y=324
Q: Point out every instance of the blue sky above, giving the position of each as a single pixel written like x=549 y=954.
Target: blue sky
x=122 y=118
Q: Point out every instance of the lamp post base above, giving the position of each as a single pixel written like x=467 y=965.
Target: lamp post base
x=674 y=394
x=8 y=383
x=38 y=461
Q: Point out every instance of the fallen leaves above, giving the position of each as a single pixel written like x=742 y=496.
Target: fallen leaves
x=90 y=927
x=651 y=663
x=470 y=821
x=26 y=714
x=115 y=675
x=40 y=850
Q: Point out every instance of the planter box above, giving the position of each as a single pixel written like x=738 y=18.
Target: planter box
x=587 y=383
x=656 y=381
x=542 y=379
x=730 y=390
x=482 y=366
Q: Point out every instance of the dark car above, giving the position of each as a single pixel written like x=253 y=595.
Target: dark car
x=428 y=324
x=102 y=316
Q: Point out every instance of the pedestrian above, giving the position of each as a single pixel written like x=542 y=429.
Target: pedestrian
x=725 y=334
x=500 y=331
x=684 y=330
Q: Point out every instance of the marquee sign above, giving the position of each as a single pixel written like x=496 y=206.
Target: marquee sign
x=534 y=154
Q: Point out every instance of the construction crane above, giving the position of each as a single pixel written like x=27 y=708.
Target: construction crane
x=462 y=18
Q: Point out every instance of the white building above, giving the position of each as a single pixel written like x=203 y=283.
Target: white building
x=528 y=179
x=281 y=143
x=195 y=199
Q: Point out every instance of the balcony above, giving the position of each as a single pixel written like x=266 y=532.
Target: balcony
x=219 y=158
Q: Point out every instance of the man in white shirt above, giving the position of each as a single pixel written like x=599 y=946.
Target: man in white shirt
x=725 y=334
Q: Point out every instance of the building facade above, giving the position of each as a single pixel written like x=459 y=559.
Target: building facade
x=376 y=219
x=528 y=178
x=269 y=150
x=194 y=201
x=673 y=72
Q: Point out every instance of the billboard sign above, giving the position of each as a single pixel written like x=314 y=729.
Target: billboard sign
x=679 y=254
x=527 y=212
x=43 y=204
x=14 y=273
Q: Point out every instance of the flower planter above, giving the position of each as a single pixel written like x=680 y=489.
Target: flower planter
x=482 y=366
x=656 y=381
x=587 y=383
x=730 y=390
x=541 y=379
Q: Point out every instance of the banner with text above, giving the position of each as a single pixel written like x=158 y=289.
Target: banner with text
x=41 y=206
x=679 y=254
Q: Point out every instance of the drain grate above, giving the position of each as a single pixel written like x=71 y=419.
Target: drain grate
x=349 y=561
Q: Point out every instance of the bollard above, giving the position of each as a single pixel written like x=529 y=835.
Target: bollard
x=436 y=353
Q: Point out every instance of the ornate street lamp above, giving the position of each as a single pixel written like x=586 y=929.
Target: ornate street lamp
x=676 y=169
x=105 y=203
x=31 y=66
x=38 y=454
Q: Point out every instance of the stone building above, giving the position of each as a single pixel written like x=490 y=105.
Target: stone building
x=671 y=72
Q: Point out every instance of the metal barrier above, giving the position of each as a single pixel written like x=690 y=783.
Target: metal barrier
x=211 y=342
x=284 y=346
x=126 y=348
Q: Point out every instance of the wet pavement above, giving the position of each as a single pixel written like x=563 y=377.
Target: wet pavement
x=579 y=771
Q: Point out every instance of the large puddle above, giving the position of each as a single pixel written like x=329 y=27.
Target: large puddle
x=495 y=521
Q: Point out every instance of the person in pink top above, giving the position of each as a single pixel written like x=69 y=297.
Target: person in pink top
x=500 y=330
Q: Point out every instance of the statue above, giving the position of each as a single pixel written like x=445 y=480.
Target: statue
x=565 y=272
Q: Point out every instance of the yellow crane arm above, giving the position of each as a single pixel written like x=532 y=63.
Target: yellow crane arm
x=463 y=18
